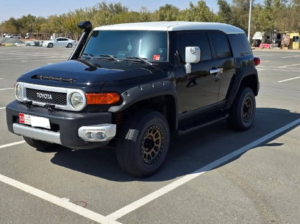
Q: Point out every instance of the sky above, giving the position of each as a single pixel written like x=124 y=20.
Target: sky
x=45 y=8
x=18 y=8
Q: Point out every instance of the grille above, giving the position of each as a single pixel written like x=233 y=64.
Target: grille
x=57 y=98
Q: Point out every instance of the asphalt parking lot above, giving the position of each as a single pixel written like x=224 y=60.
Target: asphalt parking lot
x=213 y=176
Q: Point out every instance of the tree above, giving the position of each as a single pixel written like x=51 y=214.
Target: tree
x=225 y=14
x=199 y=12
x=166 y=13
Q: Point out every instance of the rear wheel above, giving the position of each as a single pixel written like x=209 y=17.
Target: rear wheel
x=143 y=143
x=69 y=45
x=242 y=113
x=41 y=145
x=50 y=45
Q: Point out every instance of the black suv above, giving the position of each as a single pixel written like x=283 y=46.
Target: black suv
x=133 y=85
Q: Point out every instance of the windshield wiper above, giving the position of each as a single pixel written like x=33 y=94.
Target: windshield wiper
x=109 y=56
x=139 y=59
x=90 y=55
x=106 y=56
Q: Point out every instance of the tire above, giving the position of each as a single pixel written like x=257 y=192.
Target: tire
x=137 y=151
x=43 y=146
x=50 y=45
x=242 y=112
x=69 y=46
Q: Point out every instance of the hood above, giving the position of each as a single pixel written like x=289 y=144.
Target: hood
x=82 y=73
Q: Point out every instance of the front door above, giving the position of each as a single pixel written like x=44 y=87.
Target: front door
x=200 y=88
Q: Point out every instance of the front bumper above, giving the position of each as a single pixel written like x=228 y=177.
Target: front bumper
x=65 y=126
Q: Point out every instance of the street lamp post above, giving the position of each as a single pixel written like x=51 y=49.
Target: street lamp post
x=250 y=15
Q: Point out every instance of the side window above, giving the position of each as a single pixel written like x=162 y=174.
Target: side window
x=221 y=45
x=59 y=39
x=246 y=43
x=240 y=45
x=197 y=39
x=237 y=45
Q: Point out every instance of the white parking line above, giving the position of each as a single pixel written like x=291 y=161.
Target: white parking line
x=292 y=56
x=285 y=80
x=11 y=144
x=2 y=108
x=6 y=89
x=46 y=59
x=160 y=192
x=57 y=201
x=285 y=66
x=53 y=199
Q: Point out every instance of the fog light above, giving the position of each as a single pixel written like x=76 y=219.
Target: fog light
x=101 y=135
x=90 y=135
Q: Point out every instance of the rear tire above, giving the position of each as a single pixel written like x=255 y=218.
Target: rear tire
x=50 y=45
x=242 y=112
x=143 y=143
x=69 y=46
x=41 y=145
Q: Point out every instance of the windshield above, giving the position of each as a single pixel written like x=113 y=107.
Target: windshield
x=150 y=45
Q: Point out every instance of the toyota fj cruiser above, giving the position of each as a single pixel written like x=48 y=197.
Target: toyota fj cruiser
x=134 y=85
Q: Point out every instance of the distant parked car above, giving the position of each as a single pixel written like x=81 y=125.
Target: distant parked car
x=60 y=41
x=16 y=36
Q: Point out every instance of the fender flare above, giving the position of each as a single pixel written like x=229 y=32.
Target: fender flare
x=147 y=91
x=240 y=75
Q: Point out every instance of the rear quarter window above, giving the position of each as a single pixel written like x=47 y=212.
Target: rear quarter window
x=240 y=45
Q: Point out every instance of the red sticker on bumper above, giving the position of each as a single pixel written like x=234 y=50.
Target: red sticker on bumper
x=156 y=57
x=21 y=118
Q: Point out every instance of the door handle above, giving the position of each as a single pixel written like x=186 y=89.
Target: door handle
x=213 y=71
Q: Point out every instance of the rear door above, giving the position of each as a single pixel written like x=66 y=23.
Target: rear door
x=200 y=88
x=226 y=62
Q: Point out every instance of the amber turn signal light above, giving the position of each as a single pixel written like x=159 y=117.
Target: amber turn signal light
x=102 y=98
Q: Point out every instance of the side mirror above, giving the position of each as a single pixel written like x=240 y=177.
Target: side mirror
x=192 y=55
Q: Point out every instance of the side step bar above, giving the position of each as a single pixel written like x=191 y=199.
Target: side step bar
x=195 y=128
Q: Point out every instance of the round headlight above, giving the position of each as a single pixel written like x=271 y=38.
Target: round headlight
x=77 y=100
x=18 y=91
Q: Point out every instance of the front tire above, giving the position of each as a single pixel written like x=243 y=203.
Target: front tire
x=43 y=146
x=242 y=113
x=143 y=143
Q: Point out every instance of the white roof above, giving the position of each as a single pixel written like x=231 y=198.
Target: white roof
x=173 y=26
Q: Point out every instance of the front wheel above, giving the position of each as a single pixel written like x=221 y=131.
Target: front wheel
x=143 y=143
x=43 y=146
x=242 y=113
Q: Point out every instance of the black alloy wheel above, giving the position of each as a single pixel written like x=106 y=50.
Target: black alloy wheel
x=152 y=145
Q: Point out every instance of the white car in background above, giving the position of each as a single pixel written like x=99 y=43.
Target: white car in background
x=60 y=41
